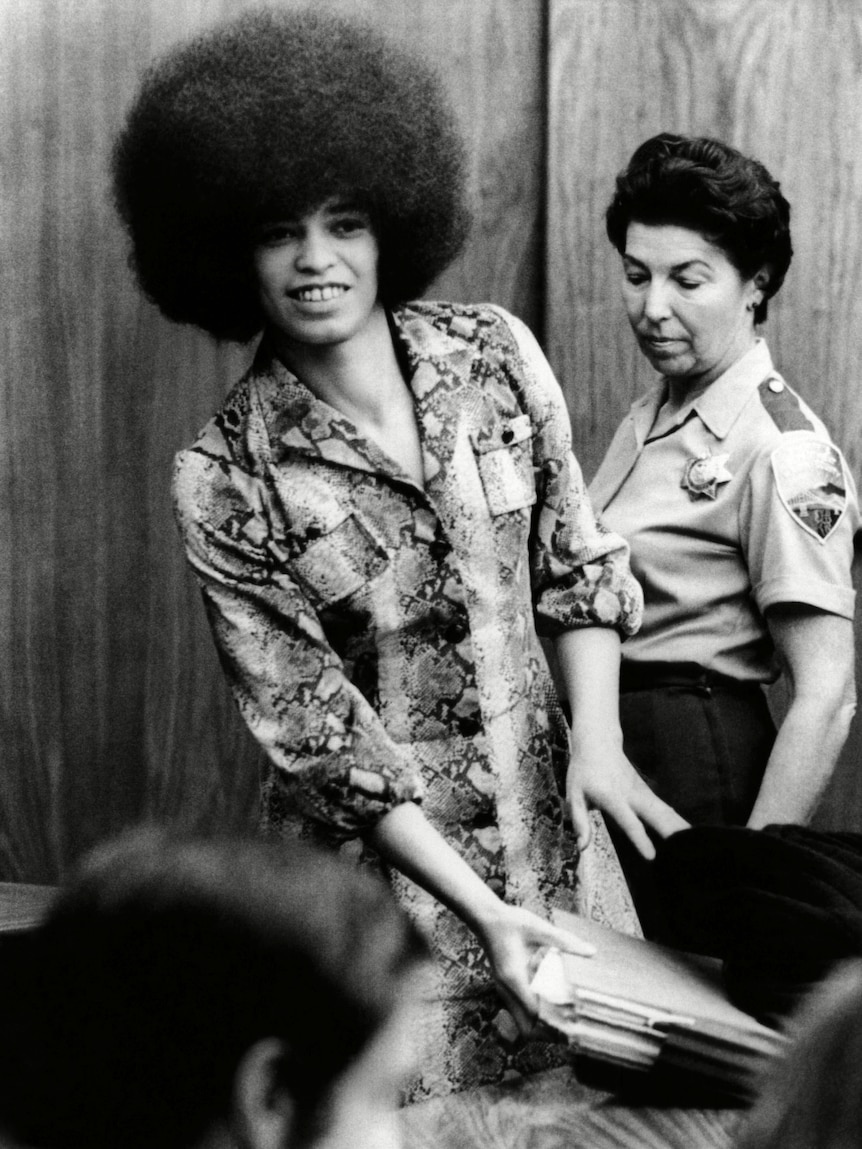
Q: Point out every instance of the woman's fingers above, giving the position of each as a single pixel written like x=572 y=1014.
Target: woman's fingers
x=525 y=1018
x=580 y=816
x=627 y=819
x=641 y=812
x=513 y=982
x=523 y=935
x=635 y=818
x=537 y=931
x=660 y=817
x=564 y=940
x=616 y=788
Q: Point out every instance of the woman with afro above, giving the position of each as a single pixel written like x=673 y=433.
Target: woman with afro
x=386 y=509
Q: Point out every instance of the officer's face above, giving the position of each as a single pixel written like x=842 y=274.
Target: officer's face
x=689 y=307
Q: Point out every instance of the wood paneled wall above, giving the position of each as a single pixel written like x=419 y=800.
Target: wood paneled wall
x=780 y=80
x=112 y=705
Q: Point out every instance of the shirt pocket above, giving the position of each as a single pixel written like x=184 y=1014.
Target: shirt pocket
x=504 y=456
x=339 y=562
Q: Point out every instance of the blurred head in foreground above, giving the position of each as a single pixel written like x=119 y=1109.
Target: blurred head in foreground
x=813 y=1098
x=210 y=994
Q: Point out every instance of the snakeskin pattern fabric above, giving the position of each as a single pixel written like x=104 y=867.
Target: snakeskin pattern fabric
x=382 y=638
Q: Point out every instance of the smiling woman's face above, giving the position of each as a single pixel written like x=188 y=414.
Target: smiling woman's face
x=690 y=309
x=317 y=275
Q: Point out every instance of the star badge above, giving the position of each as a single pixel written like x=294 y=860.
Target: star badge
x=703 y=475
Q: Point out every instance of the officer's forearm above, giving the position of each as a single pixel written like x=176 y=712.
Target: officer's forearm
x=816 y=652
x=802 y=760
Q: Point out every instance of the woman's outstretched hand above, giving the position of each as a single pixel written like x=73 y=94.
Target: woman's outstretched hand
x=603 y=777
x=512 y=938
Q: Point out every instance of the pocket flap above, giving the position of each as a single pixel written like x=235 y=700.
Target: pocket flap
x=340 y=562
x=501 y=435
x=504 y=457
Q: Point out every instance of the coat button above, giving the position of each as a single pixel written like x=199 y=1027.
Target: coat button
x=451 y=624
x=457 y=630
x=469 y=725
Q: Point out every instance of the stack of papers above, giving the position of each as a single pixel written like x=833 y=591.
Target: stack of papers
x=641 y=1005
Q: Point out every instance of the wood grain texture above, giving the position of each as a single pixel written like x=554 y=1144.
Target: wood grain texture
x=112 y=704
x=554 y=1110
x=492 y=56
x=779 y=79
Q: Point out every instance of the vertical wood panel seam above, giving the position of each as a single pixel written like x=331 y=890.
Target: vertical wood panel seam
x=542 y=332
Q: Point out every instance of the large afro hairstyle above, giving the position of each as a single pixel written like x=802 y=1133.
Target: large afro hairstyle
x=267 y=117
x=710 y=187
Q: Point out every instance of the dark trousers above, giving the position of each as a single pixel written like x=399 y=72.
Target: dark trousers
x=701 y=742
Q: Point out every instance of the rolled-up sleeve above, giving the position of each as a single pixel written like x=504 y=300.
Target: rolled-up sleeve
x=335 y=762
x=580 y=570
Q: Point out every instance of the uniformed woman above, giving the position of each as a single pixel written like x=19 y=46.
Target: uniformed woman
x=386 y=506
x=738 y=507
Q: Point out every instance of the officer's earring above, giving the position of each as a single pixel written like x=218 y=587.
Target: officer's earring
x=761 y=280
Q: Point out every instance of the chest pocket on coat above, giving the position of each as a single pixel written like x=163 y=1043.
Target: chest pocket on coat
x=505 y=460
x=339 y=562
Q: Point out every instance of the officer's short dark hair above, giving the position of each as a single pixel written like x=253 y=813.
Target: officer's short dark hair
x=706 y=185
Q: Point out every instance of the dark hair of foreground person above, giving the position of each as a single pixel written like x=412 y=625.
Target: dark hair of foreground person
x=130 y=1010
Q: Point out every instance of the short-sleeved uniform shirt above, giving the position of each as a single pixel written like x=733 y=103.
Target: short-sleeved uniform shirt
x=744 y=503
x=381 y=637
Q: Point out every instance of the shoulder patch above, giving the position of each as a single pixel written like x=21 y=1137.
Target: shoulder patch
x=810 y=481
x=783 y=407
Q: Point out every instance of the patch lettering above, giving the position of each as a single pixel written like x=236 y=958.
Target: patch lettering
x=809 y=479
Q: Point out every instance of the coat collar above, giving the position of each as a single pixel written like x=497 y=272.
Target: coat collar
x=439 y=361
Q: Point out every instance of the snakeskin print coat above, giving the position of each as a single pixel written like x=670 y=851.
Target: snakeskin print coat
x=381 y=638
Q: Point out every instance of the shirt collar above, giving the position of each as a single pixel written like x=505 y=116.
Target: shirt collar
x=436 y=359
x=433 y=355
x=417 y=338
x=721 y=403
